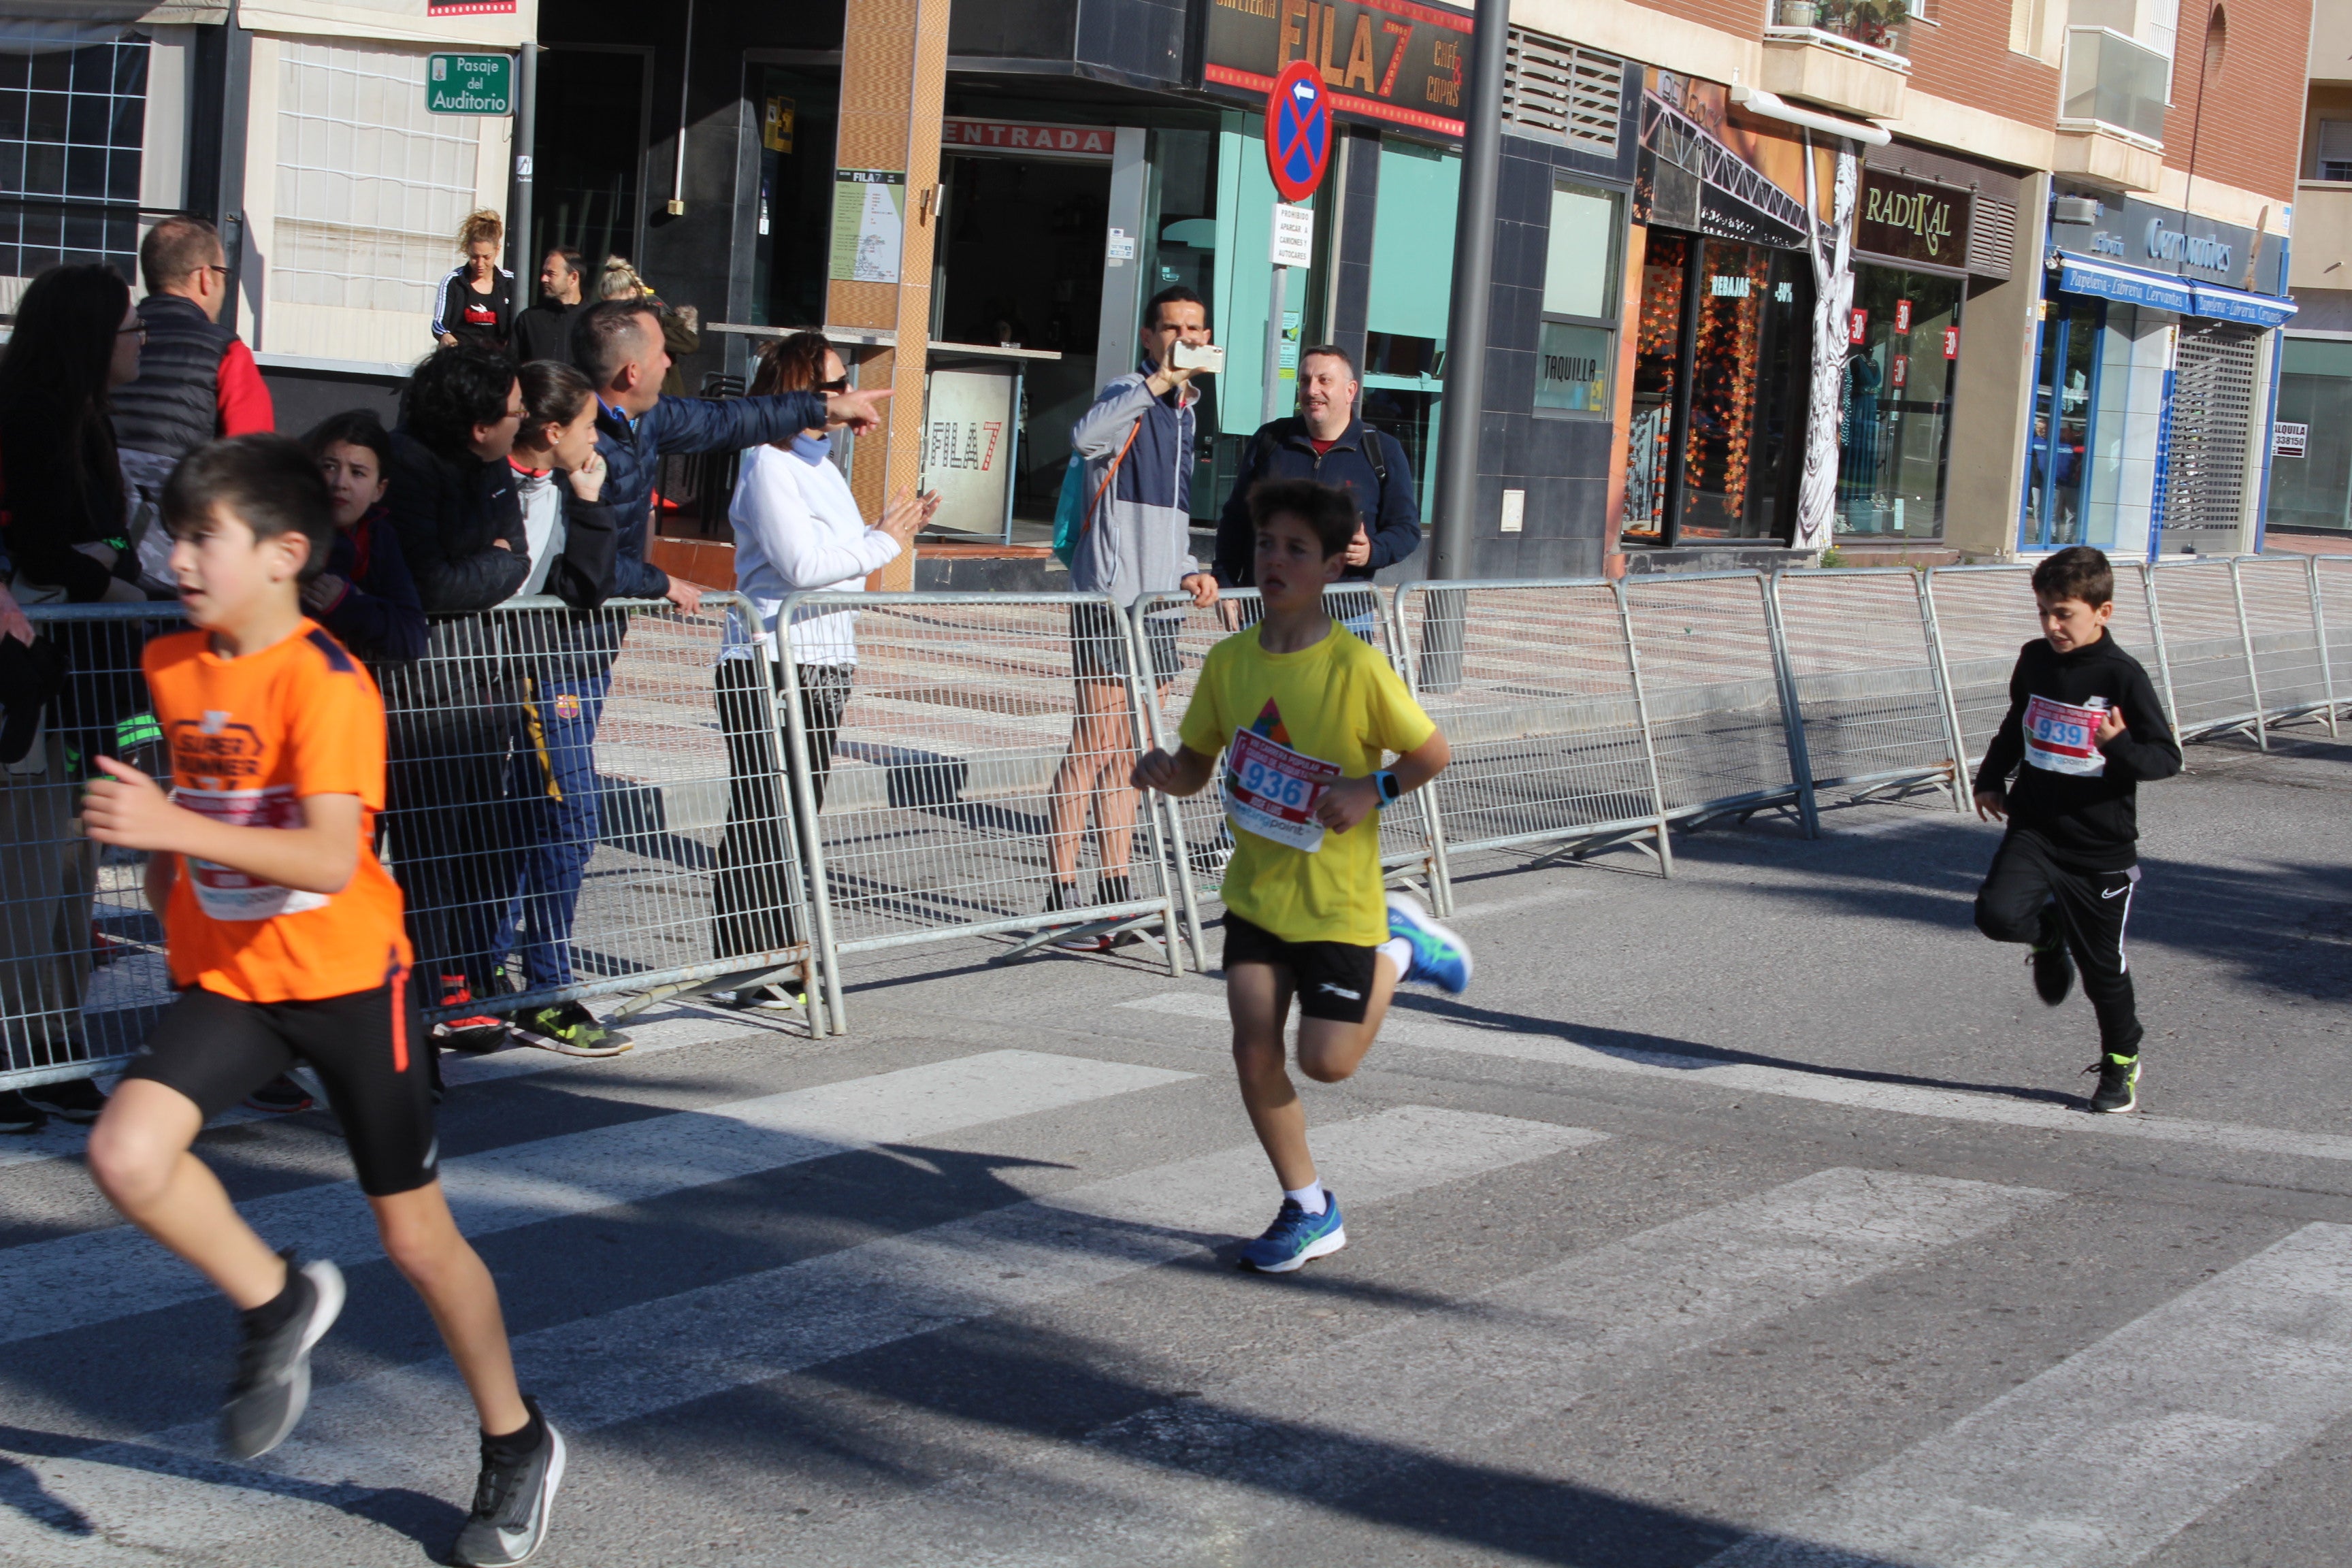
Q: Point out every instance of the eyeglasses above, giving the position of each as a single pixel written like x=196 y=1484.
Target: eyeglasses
x=137 y=330
x=833 y=386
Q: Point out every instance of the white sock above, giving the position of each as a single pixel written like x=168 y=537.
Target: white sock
x=1309 y=1197
x=1398 y=951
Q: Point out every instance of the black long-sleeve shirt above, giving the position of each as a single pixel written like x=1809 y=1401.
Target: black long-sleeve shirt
x=57 y=497
x=376 y=613
x=2079 y=797
x=448 y=512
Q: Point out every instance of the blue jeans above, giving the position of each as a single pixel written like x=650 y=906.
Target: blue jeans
x=552 y=781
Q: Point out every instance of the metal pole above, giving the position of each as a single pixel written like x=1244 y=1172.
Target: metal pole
x=1013 y=445
x=684 y=85
x=526 y=132
x=2246 y=641
x=1270 y=405
x=1455 y=503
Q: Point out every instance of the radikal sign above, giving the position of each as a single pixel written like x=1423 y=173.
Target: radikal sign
x=1397 y=62
x=1912 y=220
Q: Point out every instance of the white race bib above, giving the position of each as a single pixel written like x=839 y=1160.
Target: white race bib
x=2060 y=737
x=1271 y=790
x=227 y=894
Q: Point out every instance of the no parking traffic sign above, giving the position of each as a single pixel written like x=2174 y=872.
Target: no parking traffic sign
x=1298 y=131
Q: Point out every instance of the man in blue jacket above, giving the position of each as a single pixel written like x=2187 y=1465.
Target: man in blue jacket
x=1327 y=443
x=618 y=345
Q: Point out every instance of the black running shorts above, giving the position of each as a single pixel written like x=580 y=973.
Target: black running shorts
x=1099 y=651
x=1334 y=979
x=370 y=1050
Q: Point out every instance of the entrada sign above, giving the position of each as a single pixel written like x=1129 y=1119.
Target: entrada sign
x=1912 y=220
x=1399 y=62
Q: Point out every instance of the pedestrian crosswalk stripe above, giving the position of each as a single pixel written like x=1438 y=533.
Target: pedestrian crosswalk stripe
x=403 y=1427
x=74 y=1281
x=1287 y=1437
x=2103 y=1458
x=1826 y=1087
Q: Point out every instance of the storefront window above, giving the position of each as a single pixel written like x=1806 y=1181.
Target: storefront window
x=1748 y=375
x=1894 y=403
x=1576 y=353
x=793 y=223
x=1657 y=363
x=2313 y=488
x=589 y=153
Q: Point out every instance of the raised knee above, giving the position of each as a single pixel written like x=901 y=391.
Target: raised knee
x=2007 y=925
x=1324 y=1070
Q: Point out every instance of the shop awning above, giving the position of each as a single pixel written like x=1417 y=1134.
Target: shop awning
x=2236 y=305
x=2165 y=291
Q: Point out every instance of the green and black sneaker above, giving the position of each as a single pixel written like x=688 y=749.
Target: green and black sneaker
x=2054 y=967
x=2118 y=1088
x=570 y=1029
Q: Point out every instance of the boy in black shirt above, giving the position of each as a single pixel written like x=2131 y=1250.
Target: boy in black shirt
x=2086 y=724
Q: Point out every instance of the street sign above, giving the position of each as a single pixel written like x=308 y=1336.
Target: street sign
x=469 y=84
x=1298 y=131
x=1294 y=235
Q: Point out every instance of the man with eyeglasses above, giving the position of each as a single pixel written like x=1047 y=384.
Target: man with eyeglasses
x=196 y=380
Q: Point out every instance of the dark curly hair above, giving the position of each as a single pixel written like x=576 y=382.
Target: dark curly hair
x=452 y=391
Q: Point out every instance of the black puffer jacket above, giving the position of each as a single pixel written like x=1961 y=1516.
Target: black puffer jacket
x=633 y=457
x=448 y=511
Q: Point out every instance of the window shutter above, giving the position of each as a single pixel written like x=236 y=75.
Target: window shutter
x=1558 y=92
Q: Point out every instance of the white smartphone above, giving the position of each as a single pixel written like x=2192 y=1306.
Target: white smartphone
x=1208 y=359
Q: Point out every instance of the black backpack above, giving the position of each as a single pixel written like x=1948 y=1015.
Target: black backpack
x=1375 y=448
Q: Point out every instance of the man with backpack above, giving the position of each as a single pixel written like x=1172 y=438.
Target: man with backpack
x=1326 y=442
x=1131 y=536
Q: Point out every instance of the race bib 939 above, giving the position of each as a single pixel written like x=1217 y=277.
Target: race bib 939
x=2060 y=736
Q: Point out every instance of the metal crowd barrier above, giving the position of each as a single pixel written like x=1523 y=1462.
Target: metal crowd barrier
x=635 y=800
x=929 y=768
x=581 y=802
x=1537 y=690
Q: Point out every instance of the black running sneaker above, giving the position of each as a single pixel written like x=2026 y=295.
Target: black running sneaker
x=77 y=1099
x=273 y=1364
x=1063 y=896
x=2118 y=1088
x=282 y=1096
x=466 y=1031
x=2054 y=967
x=512 y=1501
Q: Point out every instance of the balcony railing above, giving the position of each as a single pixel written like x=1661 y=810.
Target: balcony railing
x=1875 y=30
x=2113 y=83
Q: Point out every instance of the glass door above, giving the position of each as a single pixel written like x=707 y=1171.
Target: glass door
x=2065 y=391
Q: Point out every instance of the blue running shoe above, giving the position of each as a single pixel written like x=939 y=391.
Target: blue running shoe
x=1297 y=1235
x=1439 y=957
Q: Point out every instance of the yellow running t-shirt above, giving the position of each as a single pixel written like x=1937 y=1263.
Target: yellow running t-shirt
x=1298 y=716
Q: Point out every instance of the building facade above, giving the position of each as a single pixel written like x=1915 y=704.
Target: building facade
x=2311 y=452
x=1990 y=259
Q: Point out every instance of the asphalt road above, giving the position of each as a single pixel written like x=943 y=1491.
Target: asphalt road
x=1742 y=1218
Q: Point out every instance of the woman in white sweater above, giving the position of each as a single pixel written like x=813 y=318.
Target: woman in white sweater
x=797 y=527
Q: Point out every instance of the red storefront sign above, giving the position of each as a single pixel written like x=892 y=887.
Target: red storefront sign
x=1028 y=136
x=1856 y=324
x=1952 y=342
x=1903 y=317
x=1902 y=371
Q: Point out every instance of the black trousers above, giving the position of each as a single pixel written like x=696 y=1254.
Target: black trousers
x=753 y=903
x=2092 y=908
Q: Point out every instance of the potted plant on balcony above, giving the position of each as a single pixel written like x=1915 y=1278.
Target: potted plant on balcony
x=1799 y=13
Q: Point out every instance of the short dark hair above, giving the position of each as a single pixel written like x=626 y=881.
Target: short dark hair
x=1331 y=351
x=352 y=428
x=271 y=483
x=795 y=364
x=176 y=249
x=2077 y=572
x=571 y=257
x=1325 y=509
x=601 y=338
x=554 y=392
x=1176 y=294
x=453 y=391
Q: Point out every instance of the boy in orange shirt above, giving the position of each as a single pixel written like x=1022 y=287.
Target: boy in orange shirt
x=285 y=939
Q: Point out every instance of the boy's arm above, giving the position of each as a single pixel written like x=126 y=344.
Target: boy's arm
x=2144 y=748
x=2006 y=750
x=1349 y=801
x=128 y=808
x=1183 y=773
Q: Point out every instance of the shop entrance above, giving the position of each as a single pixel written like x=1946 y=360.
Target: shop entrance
x=1021 y=263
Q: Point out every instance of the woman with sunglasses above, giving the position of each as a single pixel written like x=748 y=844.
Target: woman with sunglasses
x=797 y=527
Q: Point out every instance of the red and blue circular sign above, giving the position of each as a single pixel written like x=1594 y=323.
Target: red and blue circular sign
x=1298 y=131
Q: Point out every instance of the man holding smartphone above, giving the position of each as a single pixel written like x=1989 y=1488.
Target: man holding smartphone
x=1137 y=442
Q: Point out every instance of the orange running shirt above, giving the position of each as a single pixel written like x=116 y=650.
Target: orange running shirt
x=250 y=738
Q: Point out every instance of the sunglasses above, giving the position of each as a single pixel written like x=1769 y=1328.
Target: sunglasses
x=830 y=387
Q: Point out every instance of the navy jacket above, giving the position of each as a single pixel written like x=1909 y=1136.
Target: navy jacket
x=377 y=615
x=633 y=459
x=447 y=511
x=1389 y=513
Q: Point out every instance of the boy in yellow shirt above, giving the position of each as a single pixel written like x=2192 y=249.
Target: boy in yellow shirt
x=1305 y=712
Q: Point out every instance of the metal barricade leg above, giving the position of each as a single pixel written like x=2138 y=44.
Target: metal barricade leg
x=1801 y=767
x=2319 y=630
x=2253 y=671
x=1950 y=711
x=1642 y=718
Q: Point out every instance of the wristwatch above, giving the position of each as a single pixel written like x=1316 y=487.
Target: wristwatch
x=1388 y=787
